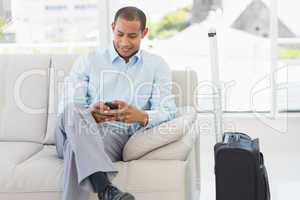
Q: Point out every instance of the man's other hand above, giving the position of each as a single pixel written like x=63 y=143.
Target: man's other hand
x=127 y=113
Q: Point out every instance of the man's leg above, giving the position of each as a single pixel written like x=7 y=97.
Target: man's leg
x=99 y=181
x=71 y=188
x=80 y=143
x=114 y=141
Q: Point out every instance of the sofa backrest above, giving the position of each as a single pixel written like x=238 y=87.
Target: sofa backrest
x=184 y=87
x=61 y=65
x=23 y=97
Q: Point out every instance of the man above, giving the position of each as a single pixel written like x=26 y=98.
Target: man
x=90 y=135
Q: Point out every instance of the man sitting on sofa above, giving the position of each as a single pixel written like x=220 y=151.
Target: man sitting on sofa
x=91 y=133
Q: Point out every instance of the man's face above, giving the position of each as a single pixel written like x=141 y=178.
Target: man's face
x=127 y=36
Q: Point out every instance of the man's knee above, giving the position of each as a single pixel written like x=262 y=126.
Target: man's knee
x=70 y=112
x=77 y=115
x=60 y=153
x=64 y=121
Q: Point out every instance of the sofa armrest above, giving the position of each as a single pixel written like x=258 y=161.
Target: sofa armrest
x=162 y=135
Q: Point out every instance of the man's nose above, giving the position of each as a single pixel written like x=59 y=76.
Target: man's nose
x=125 y=42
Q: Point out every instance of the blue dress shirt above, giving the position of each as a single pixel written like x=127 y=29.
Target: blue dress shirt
x=144 y=82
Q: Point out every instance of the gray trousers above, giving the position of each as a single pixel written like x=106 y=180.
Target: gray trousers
x=86 y=147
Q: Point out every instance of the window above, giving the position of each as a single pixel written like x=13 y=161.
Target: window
x=55 y=7
x=259 y=45
x=43 y=26
x=86 y=7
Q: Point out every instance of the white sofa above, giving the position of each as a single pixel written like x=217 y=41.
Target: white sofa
x=29 y=167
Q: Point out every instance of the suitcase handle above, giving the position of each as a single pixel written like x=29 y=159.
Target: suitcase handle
x=233 y=137
x=215 y=80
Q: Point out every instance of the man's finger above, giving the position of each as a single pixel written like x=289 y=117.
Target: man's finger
x=116 y=112
x=122 y=104
x=98 y=115
x=122 y=117
x=100 y=106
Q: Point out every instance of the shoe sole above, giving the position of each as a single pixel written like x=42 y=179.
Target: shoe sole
x=127 y=196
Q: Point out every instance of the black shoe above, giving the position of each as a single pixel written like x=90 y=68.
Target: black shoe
x=100 y=196
x=113 y=193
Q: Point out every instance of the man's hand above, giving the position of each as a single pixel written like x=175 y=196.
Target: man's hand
x=127 y=113
x=100 y=107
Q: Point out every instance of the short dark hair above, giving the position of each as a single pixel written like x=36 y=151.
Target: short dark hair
x=131 y=13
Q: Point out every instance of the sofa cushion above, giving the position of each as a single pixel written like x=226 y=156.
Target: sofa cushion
x=178 y=150
x=141 y=177
x=17 y=152
x=24 y=93
x=30 y=176
x=148 y=140
x=12 y=154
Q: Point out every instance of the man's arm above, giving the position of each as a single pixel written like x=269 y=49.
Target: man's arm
x=163 y=107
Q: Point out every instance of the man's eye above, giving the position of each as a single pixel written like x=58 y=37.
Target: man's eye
x=132 y=36
x=120 y=34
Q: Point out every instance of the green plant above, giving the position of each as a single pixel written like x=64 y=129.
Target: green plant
x=289 y=53
x=170 y=24
x=2 y=24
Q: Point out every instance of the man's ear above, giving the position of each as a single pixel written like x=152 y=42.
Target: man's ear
x=113 y=26
x=144 y=33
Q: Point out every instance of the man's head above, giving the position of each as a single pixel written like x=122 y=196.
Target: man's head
x=129 y=28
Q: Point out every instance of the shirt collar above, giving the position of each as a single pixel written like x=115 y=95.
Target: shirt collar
x=114 y=55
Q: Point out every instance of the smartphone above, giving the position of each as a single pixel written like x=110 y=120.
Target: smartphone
x=111 y=105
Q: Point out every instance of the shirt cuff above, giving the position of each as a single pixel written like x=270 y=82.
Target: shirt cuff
x=151 y=118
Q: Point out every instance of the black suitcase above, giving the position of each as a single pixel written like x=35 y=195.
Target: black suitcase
x=239 y=169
